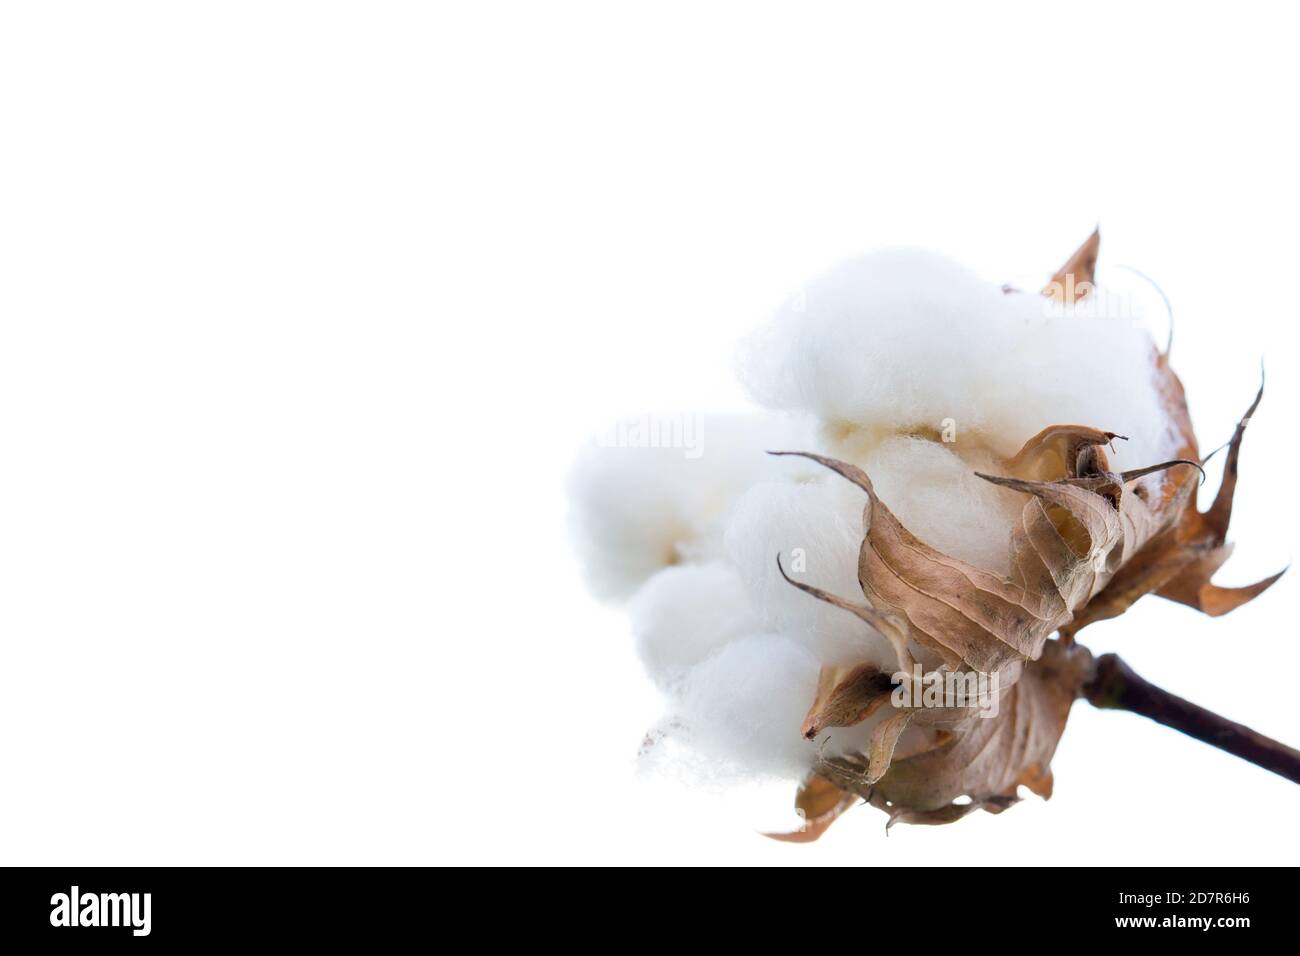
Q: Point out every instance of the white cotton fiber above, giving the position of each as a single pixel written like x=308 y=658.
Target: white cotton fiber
x=906 y=340
x=635 y=510
x=816 y=527
x=938 y=497
x=684 y=613
x=744 y=705
x=742 y=709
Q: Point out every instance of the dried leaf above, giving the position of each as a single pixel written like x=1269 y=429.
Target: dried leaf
x=883 y=741
x=1194 y=588
x=820 y=803
x=1178 y=563
x=1055 y=450
x=891 y=626
x=1204 y=535
x=1071 y=540
x=947 y=814
x=989 y=757
x=847 y=696
x=983 y=761
x=1079 y=528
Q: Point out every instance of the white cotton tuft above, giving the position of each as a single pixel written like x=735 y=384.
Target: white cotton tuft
x=816 y=527
x=685 y=613
x=738 y=714
x=635 y=510
x=743 y=706
x=904 y=341
x=939 y=498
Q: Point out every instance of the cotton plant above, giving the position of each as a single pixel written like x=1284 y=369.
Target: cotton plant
x=947 y=481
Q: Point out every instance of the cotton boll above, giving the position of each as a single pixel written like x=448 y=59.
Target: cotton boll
x=904 y=364
x=685 y=613
x=905 y=341
x=636 y=510
x=816 y=526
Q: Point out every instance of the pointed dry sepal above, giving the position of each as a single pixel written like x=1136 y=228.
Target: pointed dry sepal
x=846 y=696
x=1074 y=280
x=819 y=803
x=892 y=627
x=1204 y=537
x=1179 y=563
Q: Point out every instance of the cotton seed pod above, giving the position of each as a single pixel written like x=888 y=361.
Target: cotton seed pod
x=1091 y=541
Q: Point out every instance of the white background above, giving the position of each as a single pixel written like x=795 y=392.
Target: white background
x=305 y=308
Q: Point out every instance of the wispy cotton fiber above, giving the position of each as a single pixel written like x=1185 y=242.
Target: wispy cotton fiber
x=910 y=367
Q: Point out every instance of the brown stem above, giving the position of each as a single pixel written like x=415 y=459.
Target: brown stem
x=1114 y=685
